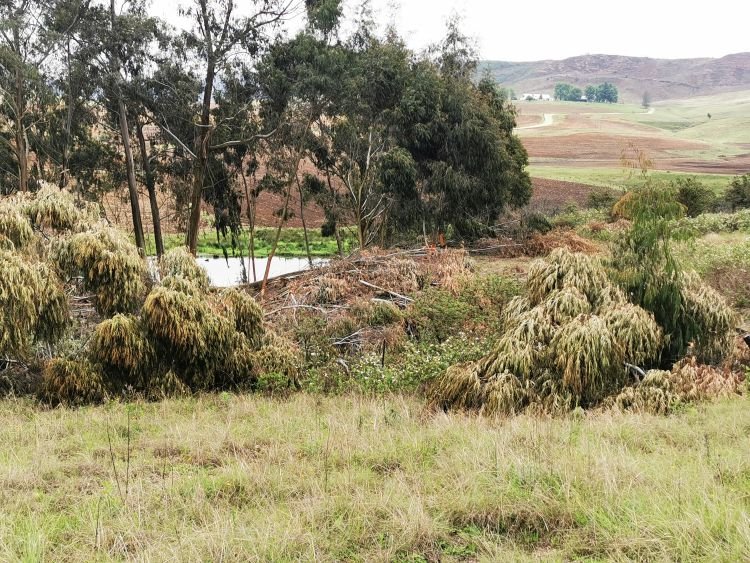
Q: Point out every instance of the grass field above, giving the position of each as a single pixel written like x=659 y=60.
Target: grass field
x=620 y=178
x=678 y=135
x=238 y=478
x=291 y=243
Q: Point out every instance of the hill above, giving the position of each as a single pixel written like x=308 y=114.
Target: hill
x=662 y=78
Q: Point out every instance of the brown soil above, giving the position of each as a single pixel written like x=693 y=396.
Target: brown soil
x=603 y=147
x=553 y=195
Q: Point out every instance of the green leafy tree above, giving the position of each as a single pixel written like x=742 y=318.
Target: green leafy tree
x=591 y=93
x=562 y=91
x=646 y=268
x=469 y=165
x=219 y=32
x=24 y=90
x=694 y=195
x=738 y=194
x=607 y=92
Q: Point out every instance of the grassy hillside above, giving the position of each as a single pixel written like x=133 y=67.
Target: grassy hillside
x=312 y=478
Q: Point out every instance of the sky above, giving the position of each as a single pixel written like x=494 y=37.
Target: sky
x=528 y=30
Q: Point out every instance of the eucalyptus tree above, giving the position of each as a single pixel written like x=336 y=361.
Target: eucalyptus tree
x=463 y=165
x=297 y=79
x=221 y=32
x=120 y=38
x=24 y=92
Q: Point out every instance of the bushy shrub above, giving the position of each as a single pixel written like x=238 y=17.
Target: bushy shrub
x=587 y=355
x=647 y=269
x=72 y=382
x=438 y=314
x=738 y=194
x=110 y=266
x=246 y=313
x=535 y=223
x=694 y=195
x=122 y=349
x=178 y=262
x=567 y=340
x=719 y=222
x=33 y=305
x=602 y=198
x=15 y=226
x=54 y=208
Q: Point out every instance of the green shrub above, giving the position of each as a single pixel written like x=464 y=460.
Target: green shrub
x=602 y=198
x=738 y=194
x=179 y=262
x=437 y=314
x=72 y=382
x=719 y=222
x=694 y=195
x=15 y=226
x=33 y=305
x=110 y=266
x=122 y=349
x=535 y=223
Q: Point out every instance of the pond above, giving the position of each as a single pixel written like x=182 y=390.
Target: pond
x=229 y=272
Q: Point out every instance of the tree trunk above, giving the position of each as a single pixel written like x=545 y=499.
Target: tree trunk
x=302 y=217
x=282 y=220
x=335 y=215
x=20 y=103
x=65 y=173
x=135 y=207
x=151 y=187
x=251 y=220
x=200 y=163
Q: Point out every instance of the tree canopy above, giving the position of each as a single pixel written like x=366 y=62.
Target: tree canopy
x=102 y=96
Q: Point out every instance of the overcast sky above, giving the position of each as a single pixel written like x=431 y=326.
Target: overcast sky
x=525 y=30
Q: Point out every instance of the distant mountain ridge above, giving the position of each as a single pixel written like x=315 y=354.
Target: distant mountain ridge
x=662 y=78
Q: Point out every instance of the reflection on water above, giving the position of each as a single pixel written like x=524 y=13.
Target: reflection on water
x=228 y=273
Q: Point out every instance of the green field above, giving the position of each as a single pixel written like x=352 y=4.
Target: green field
x=584 y=143
x=247 y=478
x=620 y=178
x=688 y=119
x=291 y=243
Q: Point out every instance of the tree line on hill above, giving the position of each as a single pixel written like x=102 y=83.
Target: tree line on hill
x=100 y=96
x=605 y=92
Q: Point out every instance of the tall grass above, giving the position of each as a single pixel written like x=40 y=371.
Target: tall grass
x=255 y=479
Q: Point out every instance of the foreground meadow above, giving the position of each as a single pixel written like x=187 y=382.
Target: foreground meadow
x=238 y=477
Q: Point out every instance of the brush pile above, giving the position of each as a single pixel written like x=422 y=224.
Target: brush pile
x=568 y=340
x=360 y=302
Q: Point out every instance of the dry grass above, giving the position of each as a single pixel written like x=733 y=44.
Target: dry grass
x=243 y=478
x=543 y=244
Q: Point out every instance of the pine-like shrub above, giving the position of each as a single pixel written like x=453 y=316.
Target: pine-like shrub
x=179 y=262
x=246 y=313
x=72 y=382
x=122 y=349
x=15 y=226
x=53 y=208
x=110 y=266
x=33 y=305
